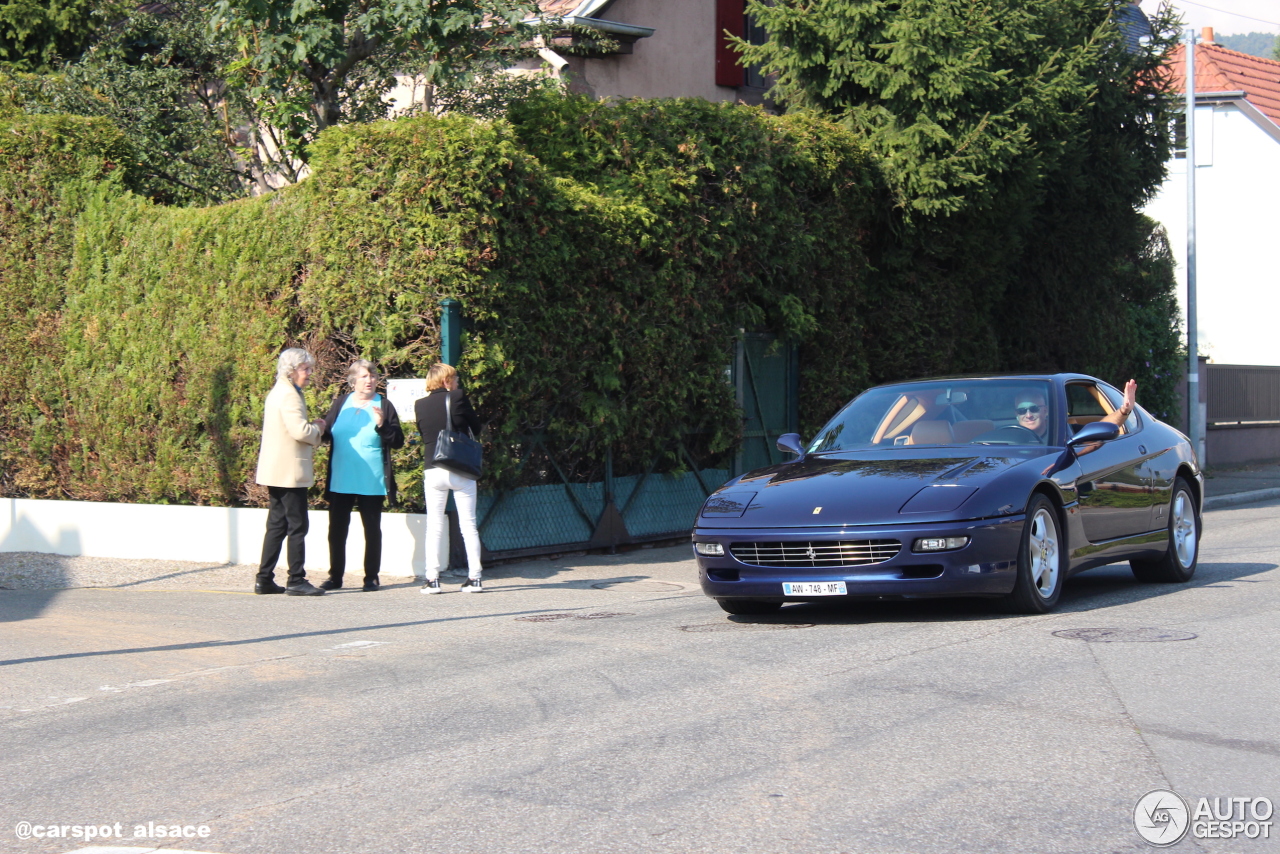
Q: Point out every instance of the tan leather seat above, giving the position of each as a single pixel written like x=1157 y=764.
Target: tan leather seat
x=931 y=433
x=967 y=431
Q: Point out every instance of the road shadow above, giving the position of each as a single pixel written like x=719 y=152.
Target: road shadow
x=559 y=572
x=1094 y=589
x=213 y=644
x=1115 y=584
x=19 y=605
x=18 y=575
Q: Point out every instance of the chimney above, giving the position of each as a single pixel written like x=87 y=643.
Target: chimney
x=1206 y=35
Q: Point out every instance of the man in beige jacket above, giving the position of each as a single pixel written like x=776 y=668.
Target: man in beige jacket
x=284 y=468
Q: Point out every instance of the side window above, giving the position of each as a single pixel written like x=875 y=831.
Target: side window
x=1084 y=405
x=1133 y=423
x=756 y=35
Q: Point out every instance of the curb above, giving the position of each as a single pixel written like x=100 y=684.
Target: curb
x=1215 y=502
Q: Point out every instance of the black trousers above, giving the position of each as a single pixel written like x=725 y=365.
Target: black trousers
x=286 y=515
x=340 y=504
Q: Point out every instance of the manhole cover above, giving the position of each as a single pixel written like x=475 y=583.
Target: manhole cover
x=1125 y=635
x=647 y=586
x=740 y=627
x=551 y=618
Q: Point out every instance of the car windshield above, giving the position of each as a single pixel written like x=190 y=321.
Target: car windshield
x=986 y=412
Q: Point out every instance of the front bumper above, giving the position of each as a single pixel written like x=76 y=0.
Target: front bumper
x=987 y=566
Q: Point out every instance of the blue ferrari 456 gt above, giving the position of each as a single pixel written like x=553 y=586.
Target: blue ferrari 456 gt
x=978 y=486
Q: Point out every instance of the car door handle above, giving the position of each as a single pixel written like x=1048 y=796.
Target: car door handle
x=1142 y=449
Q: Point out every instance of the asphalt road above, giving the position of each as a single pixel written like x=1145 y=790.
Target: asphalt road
x=601 y=704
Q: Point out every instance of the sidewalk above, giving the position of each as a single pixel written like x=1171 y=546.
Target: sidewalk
x=39 y=571
x=1242 y=485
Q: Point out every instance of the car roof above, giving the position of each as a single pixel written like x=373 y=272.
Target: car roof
x=1049 y=377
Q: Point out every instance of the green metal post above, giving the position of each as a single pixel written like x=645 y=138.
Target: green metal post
x=450 y=331
x=450 y=351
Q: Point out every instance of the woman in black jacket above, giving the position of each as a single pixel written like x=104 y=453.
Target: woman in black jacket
x=437 y=482
x=361 y=427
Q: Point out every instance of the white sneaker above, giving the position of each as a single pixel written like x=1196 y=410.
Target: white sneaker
x=472 y=585
x=431 y=585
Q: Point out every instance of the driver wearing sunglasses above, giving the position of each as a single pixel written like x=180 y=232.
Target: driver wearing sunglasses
x=1031 y=412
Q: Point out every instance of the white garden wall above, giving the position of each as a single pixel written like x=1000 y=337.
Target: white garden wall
x=214 y=535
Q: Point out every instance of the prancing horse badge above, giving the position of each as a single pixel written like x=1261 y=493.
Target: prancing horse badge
x=817 y=510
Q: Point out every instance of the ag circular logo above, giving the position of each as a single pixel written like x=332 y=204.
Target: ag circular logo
x=1161 y=818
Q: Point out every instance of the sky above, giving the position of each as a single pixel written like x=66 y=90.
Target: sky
x=1227 y=17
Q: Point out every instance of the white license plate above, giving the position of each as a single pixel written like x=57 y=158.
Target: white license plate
x=813 y=588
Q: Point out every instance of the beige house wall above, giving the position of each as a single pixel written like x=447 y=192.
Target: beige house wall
x=678 y=60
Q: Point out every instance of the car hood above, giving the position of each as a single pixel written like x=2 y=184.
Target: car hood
x=876 y=488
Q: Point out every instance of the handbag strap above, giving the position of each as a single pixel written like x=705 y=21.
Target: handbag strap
x=448 y=416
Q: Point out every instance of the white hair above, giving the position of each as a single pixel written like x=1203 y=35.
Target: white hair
x=357 y=365
x=290 y=360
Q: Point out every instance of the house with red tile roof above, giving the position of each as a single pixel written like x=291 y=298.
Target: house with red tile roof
x=1237 y=190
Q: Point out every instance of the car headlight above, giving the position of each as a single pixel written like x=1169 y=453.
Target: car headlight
x=709 y=549
x=939 y=544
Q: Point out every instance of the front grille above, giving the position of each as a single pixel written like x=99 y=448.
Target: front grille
x=827 y=553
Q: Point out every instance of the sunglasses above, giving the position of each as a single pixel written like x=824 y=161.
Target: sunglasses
x=1023 y=410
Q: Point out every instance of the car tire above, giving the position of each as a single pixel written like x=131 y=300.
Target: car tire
x=1041 y=560
x=1178 y=563
x=749 y=607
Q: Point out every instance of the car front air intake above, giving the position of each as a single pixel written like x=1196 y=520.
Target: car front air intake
x=828 y=553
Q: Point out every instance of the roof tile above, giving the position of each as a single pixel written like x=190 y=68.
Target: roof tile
x=1221 y=70
x=558 y=7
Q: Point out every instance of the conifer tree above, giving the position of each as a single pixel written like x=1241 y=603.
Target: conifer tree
x=970 y=102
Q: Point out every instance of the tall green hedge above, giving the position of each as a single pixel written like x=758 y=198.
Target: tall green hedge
x=49 y=166
x=606 y=257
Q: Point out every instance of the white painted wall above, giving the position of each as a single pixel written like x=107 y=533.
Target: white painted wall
x=1237 y=236
x=214 y=535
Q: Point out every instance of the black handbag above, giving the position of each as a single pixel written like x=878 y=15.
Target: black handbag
x=455 y=451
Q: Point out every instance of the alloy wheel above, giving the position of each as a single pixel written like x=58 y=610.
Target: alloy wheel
x=1184 y=528
x=1043 y=543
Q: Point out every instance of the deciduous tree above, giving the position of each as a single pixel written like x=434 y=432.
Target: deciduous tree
x=312 y=64
x=38 y=35
x=158 y=76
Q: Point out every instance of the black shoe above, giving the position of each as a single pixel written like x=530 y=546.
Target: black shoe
x=472 y=585
x=303 y=588
x=330 y=584
x=263 y=587
x=370 y=584
x=431 y=585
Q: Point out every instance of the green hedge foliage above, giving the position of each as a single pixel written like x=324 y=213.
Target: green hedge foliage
x=606 y=257
x=49 y=166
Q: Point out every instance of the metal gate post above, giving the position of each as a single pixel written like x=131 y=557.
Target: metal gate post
x=450 y=351
x=739 y=395
x=450 y=331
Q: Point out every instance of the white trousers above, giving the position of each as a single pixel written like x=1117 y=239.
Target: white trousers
x=436 y=483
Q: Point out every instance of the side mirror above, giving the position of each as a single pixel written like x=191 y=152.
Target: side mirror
x=790 y=442
x=1098 y=431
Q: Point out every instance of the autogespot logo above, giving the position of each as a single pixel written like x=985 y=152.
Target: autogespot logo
x=1162 y=818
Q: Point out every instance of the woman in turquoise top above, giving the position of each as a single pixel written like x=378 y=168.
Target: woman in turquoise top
x=362 y=427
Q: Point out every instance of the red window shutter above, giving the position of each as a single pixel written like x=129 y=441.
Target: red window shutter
x=731 y=16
